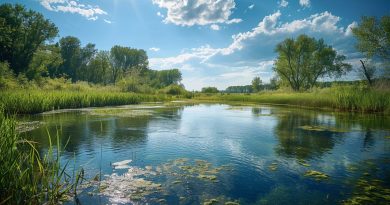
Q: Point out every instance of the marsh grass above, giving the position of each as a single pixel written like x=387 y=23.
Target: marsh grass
x=346 y=98
x=26 y=177
x=36 y=101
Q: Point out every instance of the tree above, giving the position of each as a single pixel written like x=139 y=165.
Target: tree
x=303 y=61
x=22 y=32
x=97 y=71
x=87 y=54
x=256 y=84
x=367 y=71
x=70 y=52
x=45 y=62
x=210 y=90
x=125 y=59
x=373 y=37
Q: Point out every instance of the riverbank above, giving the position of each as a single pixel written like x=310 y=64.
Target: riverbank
x=36 y=101
x=346 y=98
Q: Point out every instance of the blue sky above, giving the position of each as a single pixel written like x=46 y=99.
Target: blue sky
x=213 y=42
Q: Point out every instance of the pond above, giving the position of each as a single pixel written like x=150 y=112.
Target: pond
x=222 y=154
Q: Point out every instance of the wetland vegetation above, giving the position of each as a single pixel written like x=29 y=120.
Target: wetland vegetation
x=79 y=125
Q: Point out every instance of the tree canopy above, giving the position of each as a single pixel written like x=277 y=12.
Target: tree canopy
x=302 y=61
x=373 y=37
x=22 y=33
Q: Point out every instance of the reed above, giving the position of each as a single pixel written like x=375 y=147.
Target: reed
x=25 y=176
x=346 y=98
x=36 y=101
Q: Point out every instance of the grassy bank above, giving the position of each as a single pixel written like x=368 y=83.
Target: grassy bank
x=346 y=98
x=35 y=101
x=25 y=176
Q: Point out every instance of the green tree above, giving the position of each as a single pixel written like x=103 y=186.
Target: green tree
x=303 y=61
x=87 y=54
x=210 y=90
x=22 y=32
x=125 y=59
x=45 y=62
x=70 y=52
x=256 y=84
x=98 y=70
x=373 y=37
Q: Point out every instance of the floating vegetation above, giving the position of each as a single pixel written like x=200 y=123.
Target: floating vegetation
x=369 y=192
x=221 y=200
x=122 y=164
x=387 y=137
x=318 y=176
x=273 y=166
x=303 y=163
x=211 y=202
x=120 y=112
x=320 y=128
x=28 y=126
x=129 y=186
x=141 y=185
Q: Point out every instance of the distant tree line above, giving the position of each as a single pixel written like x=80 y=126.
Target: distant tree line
x=27 y=49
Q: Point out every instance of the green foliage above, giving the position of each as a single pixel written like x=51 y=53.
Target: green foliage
x=257 y=84
x=71 y=54
x=22 y=32
x=36 y=101
x=349 y=98
x=373 y=37
x=210 y=90
x=47 y=59
x=25 y=176
x=239 y=89
x=175 y=90
x=125 y=59
x=163 y=78
x=7 y=79
x=303 y=61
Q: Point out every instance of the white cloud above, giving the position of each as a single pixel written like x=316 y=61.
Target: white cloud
x=214 y=27
x=283 y=3
x=73 y=6
x=160 y=14
x=107 y=21
x=197 y=12
x=251 y=6
x=348 y=31
x=154 y=49
x=304 y=3
x=253 y=49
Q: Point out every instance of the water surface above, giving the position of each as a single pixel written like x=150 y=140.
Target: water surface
x=192 y=154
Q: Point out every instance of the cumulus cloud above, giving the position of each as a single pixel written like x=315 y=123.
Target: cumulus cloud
x=253 y=49
x=214 y=27
x=348 y=31
x=304 y=3
x=197 y=12
x=283 y=3
x=160 y=14
x=251 y=6
x=73 y=6
x=154 y=49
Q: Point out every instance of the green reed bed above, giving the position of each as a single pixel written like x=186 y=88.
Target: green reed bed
x=26 y=177
x=347 y=98
x=36 y=101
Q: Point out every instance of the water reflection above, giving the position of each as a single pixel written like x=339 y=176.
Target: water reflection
x=300 y=143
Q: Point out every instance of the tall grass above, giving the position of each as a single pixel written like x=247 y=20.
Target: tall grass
x=346 y=98
x=36 y=101
x=25 y=176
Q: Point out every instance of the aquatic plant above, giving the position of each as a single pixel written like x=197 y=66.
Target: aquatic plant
x=37 y=101
x=26 y=177
x=318 y=176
